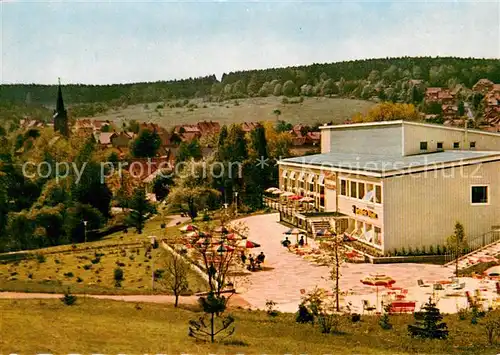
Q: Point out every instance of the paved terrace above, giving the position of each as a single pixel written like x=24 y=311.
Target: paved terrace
x=286 y=274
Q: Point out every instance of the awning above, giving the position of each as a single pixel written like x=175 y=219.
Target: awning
x=301 y=176
x=311 y=178
x=321 y=179
x=292 y=175
x=283 y=175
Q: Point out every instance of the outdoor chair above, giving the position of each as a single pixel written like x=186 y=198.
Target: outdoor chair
x=367 y=307
x=437 y=287
x=422 y=284
x=459 y=287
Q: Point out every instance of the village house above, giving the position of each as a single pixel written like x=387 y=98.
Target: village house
x=441 y=95
x=483 y=86
x=397 y=184
x=450 y=111
x=208 y=128
x=27 y=123
x=249 y=126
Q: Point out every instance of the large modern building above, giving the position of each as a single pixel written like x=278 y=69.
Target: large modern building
x=401 y=184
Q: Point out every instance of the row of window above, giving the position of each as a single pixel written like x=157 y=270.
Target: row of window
x=366 y=192
x=439 y=145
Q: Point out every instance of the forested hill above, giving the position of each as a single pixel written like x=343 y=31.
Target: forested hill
x=360 y=78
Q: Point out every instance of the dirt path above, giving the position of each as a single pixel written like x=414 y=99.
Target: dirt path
x=235 y=301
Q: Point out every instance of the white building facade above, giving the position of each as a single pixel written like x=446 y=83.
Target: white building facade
x=402 y=184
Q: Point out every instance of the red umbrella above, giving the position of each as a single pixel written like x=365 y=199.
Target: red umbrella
x=378 y=280
x=188 y=228
x=295 y=197
x=224 y=248
x=232 y=236
x=247 y=244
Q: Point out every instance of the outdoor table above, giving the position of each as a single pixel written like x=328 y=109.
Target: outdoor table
x=444 y=282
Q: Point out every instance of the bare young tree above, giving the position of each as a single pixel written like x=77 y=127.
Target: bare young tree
x=217 y=262
x=457 y=243
x=175 y=279
x=336 y=249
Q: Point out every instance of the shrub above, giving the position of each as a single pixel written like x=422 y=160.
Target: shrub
x=328 y=323
x=68 y=299
x=303 y=315
x=431 y=250
x=462 y=313
x=40 y=258
x=158 y=274
x=79 y=279
x=95 y=260
x=131 y=257
x=438 y=250
x=57 y=261
x=30 y=275
x=87 y=266
x=120 y=264
x=492 y=327
x=384 y=320
x=68 y=274
x=118 y=276
x=355 y=317
x=270 y=304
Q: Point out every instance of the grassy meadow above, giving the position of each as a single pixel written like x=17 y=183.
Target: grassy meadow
x=311 y=111
x=89 y=268
x=112 y=327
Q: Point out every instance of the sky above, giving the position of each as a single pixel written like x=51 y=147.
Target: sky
x=104 y=42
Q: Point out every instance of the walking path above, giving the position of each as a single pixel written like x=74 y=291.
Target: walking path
x=285 y=273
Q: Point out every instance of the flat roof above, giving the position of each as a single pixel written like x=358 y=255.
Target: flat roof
x=384 y=164
x=401 y=122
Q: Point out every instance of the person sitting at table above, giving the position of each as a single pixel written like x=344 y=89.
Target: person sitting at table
x=261 y=257
x=252 y=263
x=301 y=241
x=286 y=242
x=243 y=258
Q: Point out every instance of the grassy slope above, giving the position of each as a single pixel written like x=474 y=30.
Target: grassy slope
x=49 y=276
x=311 y=111
x=110 y=327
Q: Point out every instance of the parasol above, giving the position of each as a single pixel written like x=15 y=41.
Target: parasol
x=224 y=248
x=493 y=271
x=286 y=194
x=248 y=244
x=306 y=199
x=233 y=236
x=272 y=189
x=221 y=229
x=188 y=228
x=378 y=280
x=277 y=192
x=295 y=197
x=192 y=234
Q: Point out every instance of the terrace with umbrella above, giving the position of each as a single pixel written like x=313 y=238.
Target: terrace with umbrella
x=378 y=280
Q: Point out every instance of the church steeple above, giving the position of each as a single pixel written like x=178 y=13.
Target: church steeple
x=60 y=101
x=60 y=114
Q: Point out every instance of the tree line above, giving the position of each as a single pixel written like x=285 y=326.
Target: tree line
x=385 y=77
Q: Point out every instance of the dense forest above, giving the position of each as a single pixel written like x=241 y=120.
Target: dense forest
x=360 y=78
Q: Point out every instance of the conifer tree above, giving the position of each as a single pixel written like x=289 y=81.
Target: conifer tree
x=428 y=323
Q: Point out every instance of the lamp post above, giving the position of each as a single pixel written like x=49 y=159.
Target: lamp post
x=236 y=201
x=85 y=230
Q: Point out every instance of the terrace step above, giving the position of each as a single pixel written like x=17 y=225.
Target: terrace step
x=473 y=257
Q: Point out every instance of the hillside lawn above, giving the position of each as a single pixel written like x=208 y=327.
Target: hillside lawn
x=35 y=275
x=112 y=327
x=312 y=110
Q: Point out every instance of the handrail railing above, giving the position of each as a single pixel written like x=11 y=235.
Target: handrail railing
x=474 y=245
